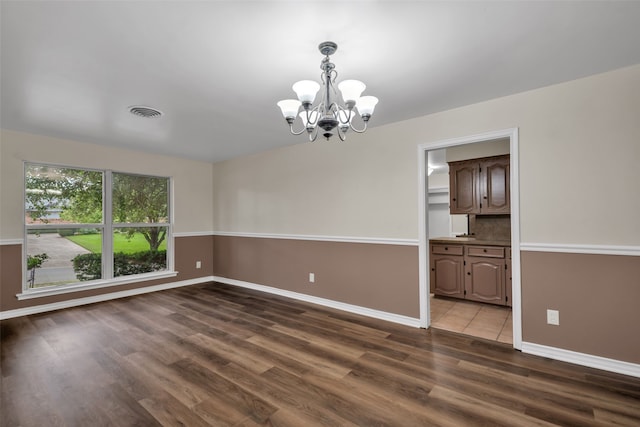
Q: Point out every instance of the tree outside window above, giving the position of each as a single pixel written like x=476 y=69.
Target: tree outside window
x=74 y=237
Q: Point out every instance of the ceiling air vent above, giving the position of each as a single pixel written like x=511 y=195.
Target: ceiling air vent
x=142 y=111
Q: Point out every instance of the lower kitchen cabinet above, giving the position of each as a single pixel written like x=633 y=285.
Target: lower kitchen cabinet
x=447 y=270
x=477 y=273
x=447 y=275
x=484 y=280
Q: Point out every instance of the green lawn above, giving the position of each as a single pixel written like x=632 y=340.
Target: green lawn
x=93 y=242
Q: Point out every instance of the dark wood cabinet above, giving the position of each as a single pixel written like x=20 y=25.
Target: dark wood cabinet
x=477 y=273
x=480 y=186
x=494 y=178
x=485 y=274
x=463 y=187
x=447 y=270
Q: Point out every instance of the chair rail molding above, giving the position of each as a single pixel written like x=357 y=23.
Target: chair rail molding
x=581 y=248
x=344 y=239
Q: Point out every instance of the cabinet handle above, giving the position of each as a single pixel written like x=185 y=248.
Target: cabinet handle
x=454 y=199
x=433 y=269
x=446 y=248
x=484 y=250
x=485 y=197
x=468 y=273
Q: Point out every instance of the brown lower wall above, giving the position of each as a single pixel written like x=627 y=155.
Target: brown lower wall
x=188 y=250
x=598 y=297
x=377 y=276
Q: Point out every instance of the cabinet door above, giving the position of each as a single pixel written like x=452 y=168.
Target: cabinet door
x=484 y=280
x=447 y=275
x=494 y=176
x=464 y=188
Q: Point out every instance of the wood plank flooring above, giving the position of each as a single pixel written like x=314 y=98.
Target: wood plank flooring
x=215 y=355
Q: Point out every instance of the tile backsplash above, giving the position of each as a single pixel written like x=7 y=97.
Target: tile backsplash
x=490 y=227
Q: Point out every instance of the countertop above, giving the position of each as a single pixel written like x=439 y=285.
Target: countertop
x=470 y=241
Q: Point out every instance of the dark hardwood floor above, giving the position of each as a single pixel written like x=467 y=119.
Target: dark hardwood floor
x=224 y=356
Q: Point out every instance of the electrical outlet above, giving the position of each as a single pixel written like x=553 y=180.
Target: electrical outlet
x=198 y=264
x=553 y=317
x=312 y=278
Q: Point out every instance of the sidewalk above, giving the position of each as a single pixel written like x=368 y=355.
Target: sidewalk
x=58 y=267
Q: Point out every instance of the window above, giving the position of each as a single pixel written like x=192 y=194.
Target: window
x=93 y=226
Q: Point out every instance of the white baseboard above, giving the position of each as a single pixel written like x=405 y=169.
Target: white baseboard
x=356 y=309
x=582 y=359
x=569 y=356
x=8 y=314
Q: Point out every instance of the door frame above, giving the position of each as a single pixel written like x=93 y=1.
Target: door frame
x=423 y=224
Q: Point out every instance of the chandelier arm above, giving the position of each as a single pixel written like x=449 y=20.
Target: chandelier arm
x=309 y=115
x=332 y=80
x=313 y=135
x=348 y=111
x=358 y=130
x=334 y=107
x=341 y=135
x=295 y=132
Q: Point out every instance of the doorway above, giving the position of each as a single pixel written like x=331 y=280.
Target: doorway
x=423 y=150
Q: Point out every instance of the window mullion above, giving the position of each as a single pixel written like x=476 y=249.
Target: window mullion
x=107 y=237
x=63 y=203
x=170 y=241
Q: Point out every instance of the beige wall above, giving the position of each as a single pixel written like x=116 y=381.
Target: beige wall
x=579 y=149
x=578 y=159
x=337 y=189
x=192 y=180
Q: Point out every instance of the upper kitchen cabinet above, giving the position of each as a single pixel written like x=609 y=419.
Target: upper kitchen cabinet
x=463 y=187
x=480 y=186
x=494 y=178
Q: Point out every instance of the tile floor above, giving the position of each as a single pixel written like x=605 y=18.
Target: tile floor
x=487 y=321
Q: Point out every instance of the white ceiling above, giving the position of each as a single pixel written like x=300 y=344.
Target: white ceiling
x=217 y=68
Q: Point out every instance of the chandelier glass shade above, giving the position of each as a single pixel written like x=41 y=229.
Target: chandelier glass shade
x=329 y=116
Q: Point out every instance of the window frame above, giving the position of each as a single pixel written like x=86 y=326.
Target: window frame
x=107 y=227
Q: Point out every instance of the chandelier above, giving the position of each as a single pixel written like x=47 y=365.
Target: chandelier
x=329 y=114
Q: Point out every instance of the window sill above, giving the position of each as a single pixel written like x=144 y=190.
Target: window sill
x=96 y=284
